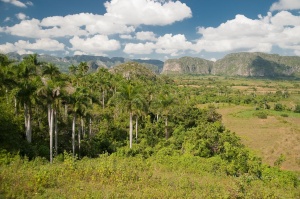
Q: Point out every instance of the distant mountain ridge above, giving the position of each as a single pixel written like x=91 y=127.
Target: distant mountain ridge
x=93 y=62
x=237 y=64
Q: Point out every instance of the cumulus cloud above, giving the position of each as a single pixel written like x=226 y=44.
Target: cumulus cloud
x=137 y=12
x=122 y=17
x=146 y=36
x=139 y=48
x=285 y=18
x=167 y=44
x=173 y=45
x=25 y=47
x=286 y=5
x=15 y=3
x=126 y=37
x=21 y=16
x=94 y=45
x=244 y=34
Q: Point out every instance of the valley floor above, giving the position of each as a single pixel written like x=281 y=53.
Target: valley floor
x=269 y=137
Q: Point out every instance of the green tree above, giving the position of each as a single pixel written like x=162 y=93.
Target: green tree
x=80 y=102
x=129 y=97
x=29 y=71
x=51 y=92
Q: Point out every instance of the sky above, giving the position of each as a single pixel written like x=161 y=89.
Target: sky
x=150 y=29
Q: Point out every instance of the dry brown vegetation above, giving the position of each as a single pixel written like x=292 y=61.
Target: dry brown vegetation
x=269 y=137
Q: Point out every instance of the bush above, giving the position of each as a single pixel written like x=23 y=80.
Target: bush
x=297 y=108
x=261 y=115
x=284 y=115
x=278 y=107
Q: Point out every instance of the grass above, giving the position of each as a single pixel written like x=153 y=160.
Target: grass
x=269 y=137
x=133 y=177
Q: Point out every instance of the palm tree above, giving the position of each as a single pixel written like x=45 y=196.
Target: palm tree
x=50 y=92
x=28 y=82
x=129 y=98
x=80 y=101
x=163 y=104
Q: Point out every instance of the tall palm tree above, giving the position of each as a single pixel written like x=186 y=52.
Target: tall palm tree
x=28 y=81
x=80 y=102
x=129 y=98
x=163 y=104
x=50 y=92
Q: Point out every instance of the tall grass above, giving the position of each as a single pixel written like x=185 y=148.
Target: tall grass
x=134 y=177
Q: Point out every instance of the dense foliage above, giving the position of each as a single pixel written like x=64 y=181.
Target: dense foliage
x=142 y=122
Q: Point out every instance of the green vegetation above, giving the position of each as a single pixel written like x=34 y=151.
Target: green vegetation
x=128 y=133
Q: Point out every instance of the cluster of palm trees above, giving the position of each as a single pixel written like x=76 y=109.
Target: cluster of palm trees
x=40 y=92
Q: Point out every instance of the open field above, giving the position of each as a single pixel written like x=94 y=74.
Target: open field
x=269 y=137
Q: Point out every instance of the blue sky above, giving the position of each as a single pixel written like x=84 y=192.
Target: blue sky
x=150 y=29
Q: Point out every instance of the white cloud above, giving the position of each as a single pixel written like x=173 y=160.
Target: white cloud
x=173 y=45
x=29 y=3
x=21 y=16
x=244 y=34
x=121 y=17
x=25 y=47
x=137 y=12
x=285 y=18
x=240 y=33
x=167 y=44
x=7 y=47
x=94 y=45
x=286 y=5
x=15 y=3
x=126 y=37
x=40 y=44
x=139 y=48
x=6 y=20
x=146 y=36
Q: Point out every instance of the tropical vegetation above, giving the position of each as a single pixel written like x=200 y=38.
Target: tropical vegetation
x=128 y=133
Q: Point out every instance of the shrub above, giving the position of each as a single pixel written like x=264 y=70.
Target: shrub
x=297 y=108
x=278 y=107
x=261 y=115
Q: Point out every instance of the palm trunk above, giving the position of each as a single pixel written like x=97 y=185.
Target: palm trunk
x=51 y=133
x=79 y=141
x=73 y=134
x=16 y=105
x=66 y=111
x=82 y=127
x=27 y=116
x=130 y=130
x=90 y=127
x=79 y=137
x=166 y=128
x=103 y=100
x=136 y=129
x=55 y=132
x=6 y=95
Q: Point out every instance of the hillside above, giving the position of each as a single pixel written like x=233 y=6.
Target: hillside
x=187 y=65
x=256 y=64
x=237 y=64
x=133 y=70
